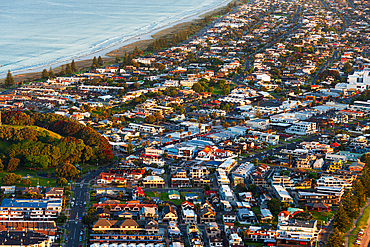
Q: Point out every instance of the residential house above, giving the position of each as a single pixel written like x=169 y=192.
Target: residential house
x=229 y=216
x=258 y=233
x=174 y=195
x=189 y=216
x=54 y=192
x=213 y=230
x=153 y=182
x=169 y=214
x=207 y=214
x=246 y=216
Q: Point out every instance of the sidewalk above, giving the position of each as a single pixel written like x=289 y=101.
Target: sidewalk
x=366 y=237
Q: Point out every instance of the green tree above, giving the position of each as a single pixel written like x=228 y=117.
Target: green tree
x=258 y=113
x=26 y=182
x=341 y=219
x=130 y=147
x=62 y=72
x=1 y=165
x=51 y=73
x=226 y=90
x=136 y=85
x=87 y=154
x=12 y=165
x=347 y=68
x=100 y=61
x=9 y=80
x=94 y=63
x=359 y=191
x=61 y=219
x=197 y=87
x=336 y=239
x=365 y=179
x=12 y=178
x=89 y=219
x=37 y=161
x=67 y=171
x=45 y=74
x=62 y=181
x=137 y=52
x=73 y=66
x=68 y=69
x=274 y=205
x=365 y=158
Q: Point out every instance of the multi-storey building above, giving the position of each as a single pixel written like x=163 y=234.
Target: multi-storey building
x=33 y=209
x=302 y=128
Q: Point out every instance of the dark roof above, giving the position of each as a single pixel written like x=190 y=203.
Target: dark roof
x=168 y=209
x=230 y=213
x=18 y=238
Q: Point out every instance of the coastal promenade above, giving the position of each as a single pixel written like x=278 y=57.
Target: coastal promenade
x=347 y=234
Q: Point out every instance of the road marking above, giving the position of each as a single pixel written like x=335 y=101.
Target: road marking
x=74 y=235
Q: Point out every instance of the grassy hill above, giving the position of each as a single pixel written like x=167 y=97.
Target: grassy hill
x=39 y=129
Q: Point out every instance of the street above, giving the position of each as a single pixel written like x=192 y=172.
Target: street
x=80 y=200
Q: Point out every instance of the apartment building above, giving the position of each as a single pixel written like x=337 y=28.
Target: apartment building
x=31 y=209
x=147 y=128
x=329 y=181
x=302 y=128
x=282 y=194
x=153 y=181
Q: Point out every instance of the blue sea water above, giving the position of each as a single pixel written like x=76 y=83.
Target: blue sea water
x=41 y=32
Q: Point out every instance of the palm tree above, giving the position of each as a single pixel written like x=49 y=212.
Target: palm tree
x=169 y=138
x=189 y=134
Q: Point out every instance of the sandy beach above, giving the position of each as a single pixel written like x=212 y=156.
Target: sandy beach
x=108 y=54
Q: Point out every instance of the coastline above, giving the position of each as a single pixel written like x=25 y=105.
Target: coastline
x=108 y=54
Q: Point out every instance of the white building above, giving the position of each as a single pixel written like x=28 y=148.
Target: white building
x=302 y=128
x=258 y=123
x=282 y=194
x=298 y=229
x=148 y=128
x=328 y=181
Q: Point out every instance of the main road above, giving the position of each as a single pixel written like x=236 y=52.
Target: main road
x=80 y=200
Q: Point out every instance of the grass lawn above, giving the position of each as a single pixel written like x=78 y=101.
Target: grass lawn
x=322 y=216
x=92 y=201
x=42 y=181
x=252 y=243
x=164 y=197
x=361 y=224
x=87 y=168
x=152 y=194
x=218 y=91
x=257 y=212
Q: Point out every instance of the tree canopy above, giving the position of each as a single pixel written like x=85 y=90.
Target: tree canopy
x=9 y=80
x=37 y=149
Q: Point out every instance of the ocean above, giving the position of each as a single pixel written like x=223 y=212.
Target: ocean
x=42 y=33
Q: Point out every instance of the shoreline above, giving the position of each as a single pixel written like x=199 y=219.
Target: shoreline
x=108 y=53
